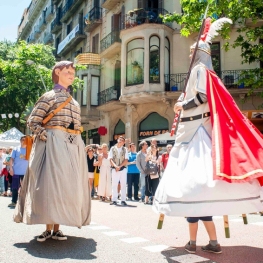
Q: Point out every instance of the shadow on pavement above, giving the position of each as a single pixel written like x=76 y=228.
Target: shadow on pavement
x=73 y=248
x=240 y=254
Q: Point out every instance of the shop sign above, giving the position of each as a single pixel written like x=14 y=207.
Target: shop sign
x=93 y=133
x=151 y=133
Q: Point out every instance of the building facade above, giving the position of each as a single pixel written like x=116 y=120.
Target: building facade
x=136 y=65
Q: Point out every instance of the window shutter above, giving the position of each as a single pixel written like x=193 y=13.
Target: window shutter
x=115 y=22
x=95 y=44
x=141 y=4
x=160 y=3
x=122 y=17
x=95 y=81
x=84 y=91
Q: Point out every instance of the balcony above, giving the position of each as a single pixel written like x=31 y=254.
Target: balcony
x=109 y=4
x=31 y=38
x=108 y=99
x=56 y=25
x=37 y=32
x=232 y=79
x=48 y=39
x=49 y=13
x=88 y=59
x=35 y=9
x=71 y=40
x=69 y=9
x=93 y=19
x=110 y=45
x=55 y=1
x=42 y=23
x=138 y=17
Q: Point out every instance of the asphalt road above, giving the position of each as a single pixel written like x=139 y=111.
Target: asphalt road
x=128 y=234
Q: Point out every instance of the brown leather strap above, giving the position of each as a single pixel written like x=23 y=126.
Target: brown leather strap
x=54 y=112
x=63 y=129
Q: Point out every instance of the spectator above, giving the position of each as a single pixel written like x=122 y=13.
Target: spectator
x=91 y=167
x=141 y=164
x=96 y=173
x=18 y=167
x=119 y=157
x=104 y=188
x=2 y=177
x=8 y=178
x=133 y=174
x=151 y=180
x=165 y=156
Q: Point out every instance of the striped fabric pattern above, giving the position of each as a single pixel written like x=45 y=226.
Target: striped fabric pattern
x=49 y=102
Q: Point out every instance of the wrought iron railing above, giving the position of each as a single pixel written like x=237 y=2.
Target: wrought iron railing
x=42 y=22
x=48 y=38
x=112 y=93
x=37 y=31
x=93 y=15
x=66 y=7
x=230 y=78
x=145 y=15
x=56 y=22
x=32 y=38
x=111 y=38
x=49 y=11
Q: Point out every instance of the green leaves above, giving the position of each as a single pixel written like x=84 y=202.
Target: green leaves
x=247 y=17
x=21 y=68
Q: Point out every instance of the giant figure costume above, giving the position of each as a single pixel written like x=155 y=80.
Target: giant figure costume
x=55 y=189
x=216 y=164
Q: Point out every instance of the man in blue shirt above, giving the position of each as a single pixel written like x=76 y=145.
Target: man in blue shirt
x=18 y=166
x=133 y=174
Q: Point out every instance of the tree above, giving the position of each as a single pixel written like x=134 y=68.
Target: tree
x=247 y=16
x=20 y=81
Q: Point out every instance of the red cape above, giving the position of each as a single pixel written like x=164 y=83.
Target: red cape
x=236 y=143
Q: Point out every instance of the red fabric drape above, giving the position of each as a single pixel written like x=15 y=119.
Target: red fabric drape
x=237 y=145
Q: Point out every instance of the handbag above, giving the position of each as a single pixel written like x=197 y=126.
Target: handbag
x=96 y=176
x=30 y=138
x=151 y=168
x=4 y=172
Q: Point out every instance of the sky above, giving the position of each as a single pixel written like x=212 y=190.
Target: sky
x=10 y=16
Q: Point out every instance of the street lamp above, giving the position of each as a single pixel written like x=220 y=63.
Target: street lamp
x=31 y=62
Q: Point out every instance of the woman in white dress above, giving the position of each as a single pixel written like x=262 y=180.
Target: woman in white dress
x=104 y=188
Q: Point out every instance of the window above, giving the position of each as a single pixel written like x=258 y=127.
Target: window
x=135 y=62
x=95 y=44
x=215 y=55
x=69 y=28
x=75 y=95
x=261 y=61
x=166 y=56
x=95 y=82
x=154 y=63
x=123 y=17
x=84 y=91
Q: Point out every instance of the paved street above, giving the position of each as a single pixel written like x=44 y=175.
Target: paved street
x=128 y=234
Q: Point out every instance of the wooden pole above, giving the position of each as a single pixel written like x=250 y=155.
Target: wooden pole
x=226 y=225
x=160 y=222
x=177 y=116
x=244 y=218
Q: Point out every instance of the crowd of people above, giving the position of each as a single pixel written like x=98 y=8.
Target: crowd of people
x=13 y=165
x=122 y=171
x=115 y=173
